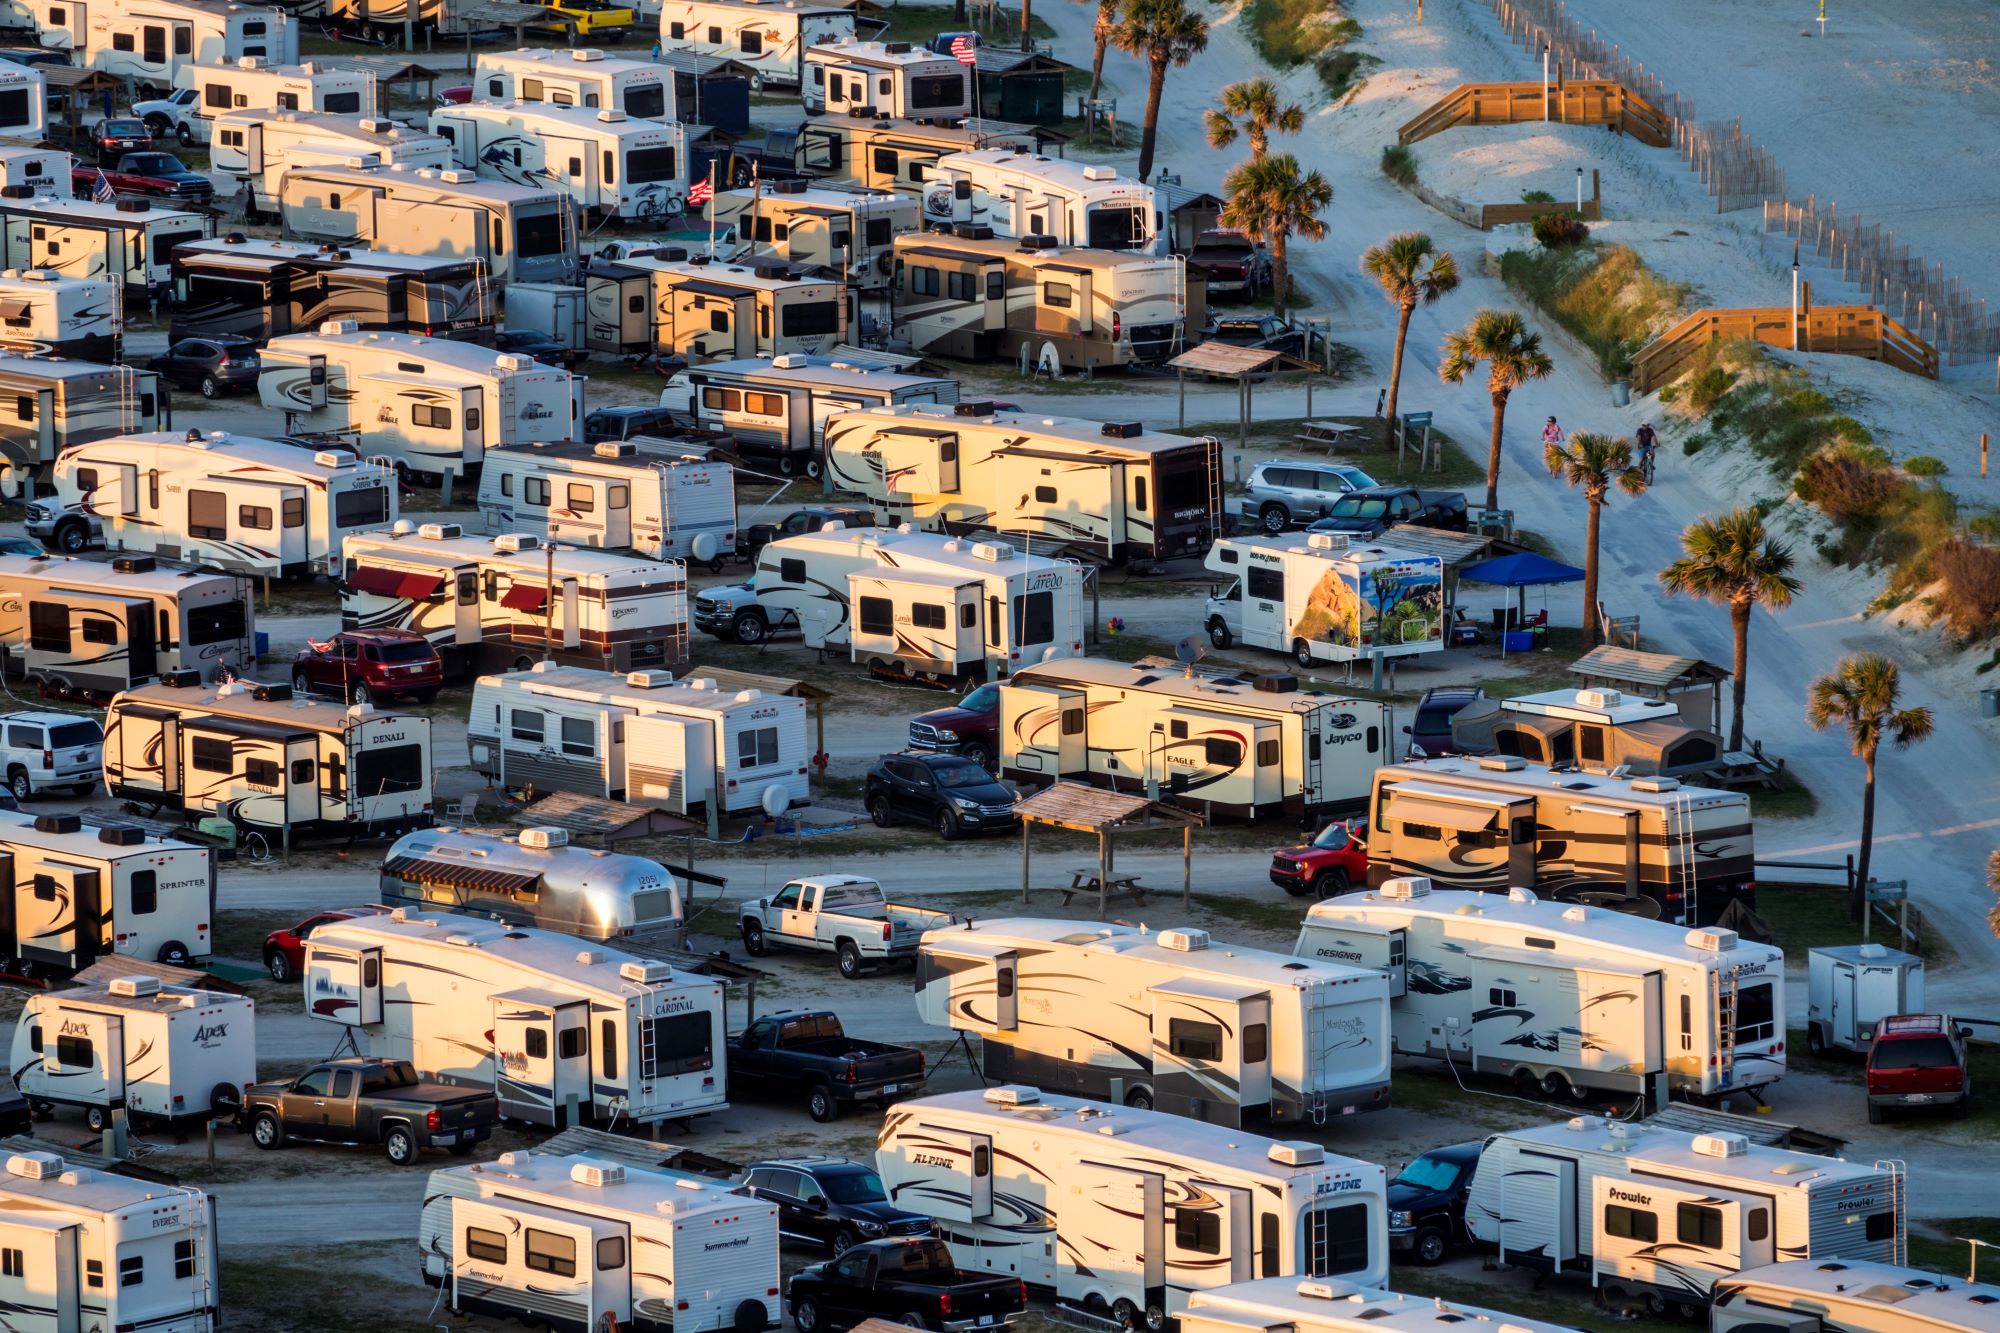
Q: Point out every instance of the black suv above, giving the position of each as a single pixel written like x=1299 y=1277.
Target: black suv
x=1427 y=1203
x=949 y=792
x=831 y=1201
x=1430 y=732
x=617 y=424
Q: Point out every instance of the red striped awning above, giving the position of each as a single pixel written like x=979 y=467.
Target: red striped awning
x=419 y=586
x=383 y=582
x=525 y=597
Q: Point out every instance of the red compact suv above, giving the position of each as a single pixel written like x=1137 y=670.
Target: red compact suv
x=1329 y=865
x=363 y=666
x=1918 y=1060
x=285 y=950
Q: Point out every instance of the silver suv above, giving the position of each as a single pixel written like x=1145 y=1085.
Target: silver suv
x=1286 y=495
x=41 y=750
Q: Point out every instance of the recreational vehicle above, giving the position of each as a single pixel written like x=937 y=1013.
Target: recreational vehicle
x=49 y=406
x=1126 y=1212
x=1170 y=1020
x=885 y=79
x=770 y=36
x=1852 y=988
x=229 y=502
x=879 y=153
x=252 y=84
x=535 y=878
x=71 y=1225
x=1599 y=731
x=262 y=290
x=1662 y=1215
x=659 y=1249
x=80 y=894
x=129 y=242
x=171 y=1052
x=642 y=737
x=28 y=172
x=1573 y=1000
x=1317 y=597
x=44 y=313
x=576 y=77
x=256 y=149
x=563 y=1034
x=1019 y=194
x=611 y=165
x=1806 y=1296
x=264 y=759
x=1235 y=744
x=613 y=497
x=971 y=296
x=430 y=405
x=853 y=231
x=702 y=310
x=24 y=103
x=503 y=603
x=1644 y=845
x=1287 y=1305
x=1112 y=489
x=524 y=233
x=77 y=627
x=151 y=42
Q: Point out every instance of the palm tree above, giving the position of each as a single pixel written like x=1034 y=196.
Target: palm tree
x=1731 y=559
x=1412 y=272
x=1162 y=33
x=1862 y=693
x=1513 y=356
x=1256 y=105
x=1269 y=199
x=1593 y=463
x=1101 y=30
x=1993 y=883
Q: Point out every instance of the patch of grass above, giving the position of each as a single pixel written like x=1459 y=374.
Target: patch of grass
x=1925 y=465
x=1344 y=71
x=240 y=934
x=1939 y=1244
x=1399 y=164
x=1288 y=33
x=1811 y=916
x=1604 y=295
x=1792 y=799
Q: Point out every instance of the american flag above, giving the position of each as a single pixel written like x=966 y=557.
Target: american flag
x=102 y=192
x=700 y=192
x=962 y=49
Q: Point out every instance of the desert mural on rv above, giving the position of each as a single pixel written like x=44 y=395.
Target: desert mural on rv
x=1394 y=601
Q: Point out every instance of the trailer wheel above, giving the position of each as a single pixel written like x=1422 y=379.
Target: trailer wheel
x=751 y=1317
x=1554 y=1085
x=97 y=1117
x=1815 y=1043
x=266 y=1132
x=1430 y=1247
x=821 y=1104
x=17 y=782
x=814 y=468
x=175 y=953
x=399 y=1145
x=1302 y=653
x=849 y=959
x=805 y=1314
x=1218 y=632
x=787 y=465
x=753 y=939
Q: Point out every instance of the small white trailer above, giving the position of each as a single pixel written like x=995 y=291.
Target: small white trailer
x=257 y=149
x=1287 y=1305
x=580 y=76
x=885 y=79
x=1846 y=1296
x=80 y=894
x=613 y=497
x=770 y=36
x=49 y=314
x=1851 y=988
x=204 y=92
x=1020 y=193
x=611 y=164
x=1321 y=599
x=852 y=231
x=32 y=172
x=80 y=627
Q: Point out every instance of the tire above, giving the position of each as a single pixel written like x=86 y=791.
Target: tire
x=399 y=1145
x=821 y=1104
x=156 y=125
x=300 y=685
x=843 y=1241
x=750 y=1317
x=1125 y=1314
x=914 y=1319
x=224 y=1101
x=72 y=537
x=1302 y=653
x=878 y=810
x=978 y=754
x=805 y=1313
x=266 y=1132
x=947 y=826
x=279 y=965
x=787 y=465
x=848 y=959
x=814 y=468
x=97 y=1117
x=1274 y=517
x=174 y=953
x=1553 y=1085
x=753 y=940
x=17 y=782
x=1330 y=884
x=1218 y=633
x=751 y=627
x=1140 y=1099
x=1815 y=1043
x=362 y=695
x=1430 y=1247
x=209 y=388
x=184 y=135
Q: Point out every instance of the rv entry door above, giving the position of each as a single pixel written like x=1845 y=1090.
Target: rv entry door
x=958 y=1166
x=1205 y=1033
x=344 y=985
x=56 y=916
x=300 y=780
x=541 y=1057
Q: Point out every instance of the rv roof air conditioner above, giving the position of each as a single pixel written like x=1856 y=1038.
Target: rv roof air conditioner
x=1656 y=785
x=328 y=458
x=1584 y=1124
x=461 y=941
x=649 y=680
x=1297 y=1152
x=586 y=55
x=1524 y=897
x=133 y=564
x=597 y=1174
x=1280 y=682
x=134 y=206
x=271 y=694
x=974 y=407
x=589 y=957
x=133 y=988
x=1405 y=888
x=376 y=125
x=1184 y=941
x=991 y=553
x=58 y=824
x=440 y=532
x=1503 y=763
x=1329 y=1291
x=748 y=696
x=646 y=972
x=1122 y=430
x=1326 y=541
x=517 y=542
x=1720 y=1145
x=1012 y=1094
x=335 y=327
x=544 y=838
x=1714 y=939
x=180 y=680
x=34 y=1165
x=702 y=683
x=1599 y=698
x=614 y=449
x=1037 y=241
x=1576 y=913
x=121 y=835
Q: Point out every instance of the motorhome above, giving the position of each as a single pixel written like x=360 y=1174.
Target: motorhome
x=612 y=497
x=850 y=231
x=49 y=406
x=972 y=296
x=1322 y=599
x=267 y=760
x=1661 y=1214
x=1574 y=1001
x=231 y=502
x=1845 y=1296
x=1597 y=730
x=24 y=103
x=129 y=242
x=536 y=878
x=1126 y=1212
x=151 y=42
x=175 y=1053
x=702 y=310
x=31 y=171
x=563 y=1033
x=885 y=79
x=80 y=894
x=1287 y=1305
x=1167 y=1019
x=882 y=153
x=612 y=165
x=1115 y=490
x=261 y=290
x=659 y=1249
x=523 y=233
x=76 y=627
x=253 y=84
x=1644 y=845
x=577 y=77
x=44 y=313
x=503 y=603
x=254 y=149
x=641 y=737
x=1020 y=193
x=1231 y=743
x=770 y=36
x=72 y=1224
x=431 y=405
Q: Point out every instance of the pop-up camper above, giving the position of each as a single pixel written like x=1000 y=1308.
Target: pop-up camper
x=1322 y=599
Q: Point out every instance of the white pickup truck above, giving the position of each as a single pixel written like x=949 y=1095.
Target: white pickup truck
x=844 y=915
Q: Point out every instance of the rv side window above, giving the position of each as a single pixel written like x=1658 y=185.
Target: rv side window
x=1756 y=1019
x=1139 y=494
x=1256 y=1043
x=1590 y=743
x=764 y=404
x=35 y=1038
x=993 y=622
x=132 y=1270
x=1423 y=832
x=295 y=513
x=718 y=320
x=536 y=492
x=45 y=889
x=1267 y=1245
x=506 y=483
x=1264 y=584
x=923 y=280
x=1374 y=740
x=371 y=972
x=260 y=772
x=486 y=1246
x=791 y=570
x=24 y=408
x=527 y=725
x=618 y=497
x=757 y=749
x=212 y=755
x=580 y=498
x=208 y=514
x=1881 y=1226
x=982 y=1160
x=610 y=1253
x=1056 y=295
x=579 y=736
x=254 y=517
x=1697 y=1225
x=215 y=624
x=885 y=161
x=677 y=31
x=183 y=1259
x=876 y=231
x=1759 y=1223
x=1687 y=1022
x=184 y=38
x=303 y=770
x=1267 y=753
x=1198 y=1229
x=714 y=34
x=96 y=629
x=569 y=1044
x=13 y=1263
x=877 y=615
x=928 y=615
x=1072 y=722
x=431 y=417
x=683 y=1044
x=722 y=400
x=537 y=1043
x=1222 y=753
x=1522 y=831
x=93 y=1274
x=968 y=615
x=1190 y=1040
x=1631 y=1224
x=1177 y=729
x=607 y=1048
x=1501 y=998
x=75 y=1052
x=1034 y=619
x=1045 y=495
x=145 y=892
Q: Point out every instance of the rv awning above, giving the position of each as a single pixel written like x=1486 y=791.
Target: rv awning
x=458 y=874
x=1445 y=814
x=528 y=997
x=524 y=597
x=976 y=950
x=418 y=585
x=382 y=582
x=1210 y=988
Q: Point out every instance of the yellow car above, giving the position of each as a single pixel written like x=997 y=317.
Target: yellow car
x=591 y=16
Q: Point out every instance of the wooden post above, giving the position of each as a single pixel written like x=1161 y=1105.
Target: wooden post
x=1103 y=870
x=1982 y=455
x=1024 y=860
x=1187 y=864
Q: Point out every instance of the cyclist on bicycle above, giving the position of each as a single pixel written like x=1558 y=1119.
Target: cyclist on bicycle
x=1649 y=444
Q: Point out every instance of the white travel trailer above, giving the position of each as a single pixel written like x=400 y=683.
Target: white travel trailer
x=48 y=406
x=82 y=894
x=885 y=79
x=1128 y=1212
x=45 y=313
x=28 y=172
x=129 y=242
x=1236 y=744
x=1170 y=1020
x=560 y=1033
x=849 y=230
x=1575 y=1001
x=641 y=737
x=71 y=1225
x=24 y=103
x=575 y=1240
x=152 y=41
x=252 y=84
x=577 y=77
x=266 y=760
x=1112 y=488
x=613 y=497
x=171 y=1052
x=257 y=148
x=1841 y=1296
x=612 y=165
x=77 y=627
x=770 y=36
x=701 y=310
x=1662 y=1215
x=503 y=603
x=1851 y=988
x=1321 y=599
x=1019 y=193
x=1287 y=1305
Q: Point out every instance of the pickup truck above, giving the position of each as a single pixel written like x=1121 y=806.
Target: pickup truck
x=970 y=727
x=1374 y=510
x=369 y=1101
x=791 y=1054
x=911 y=1282
x=844 y=915
x=161 y=175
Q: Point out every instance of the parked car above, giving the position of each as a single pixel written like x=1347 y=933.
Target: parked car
x=458 y=94
x=537 y=345
x=16 y=1117
x=1371 y=512
x=216 y=366
x=1427 y=1203
x=1430 y=731
x=970 y=727
x=830 y=1201
x=1280 y=495
x=121 y=134
x=158 y=175
x=40 y=751
x=1265 y=332
x=1328 y=866
x=954 y=795
x=616 y=424
x=363 y=666
x=21 y=546
x=370 y=1101
x=911 y=1282
x=810 y=519
x=285 y=949
x=788 y=1055
x=1230 y=263
x=844 y=915
x=730 y=611
x=589 y=17
x=1918 y=1060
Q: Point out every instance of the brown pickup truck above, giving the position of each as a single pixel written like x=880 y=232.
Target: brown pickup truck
x=369 y=1101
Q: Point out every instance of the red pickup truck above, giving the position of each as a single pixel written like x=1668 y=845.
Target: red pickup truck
x=1328 y=866
x=161 y=175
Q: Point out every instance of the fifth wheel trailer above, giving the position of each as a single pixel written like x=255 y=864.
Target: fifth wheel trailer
x=1287 y=1305
x=1846 y=1296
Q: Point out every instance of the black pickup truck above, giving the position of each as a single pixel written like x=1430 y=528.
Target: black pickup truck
x=369 y=1101
x=911 y=1282
x=1374 y=510
x=808 y=1055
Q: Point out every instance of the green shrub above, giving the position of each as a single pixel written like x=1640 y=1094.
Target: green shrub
x=1604 y=295
x=1924 y=465
x=1970 y=598
x=1555 y=230
x=1399 y=164
x=1344 y=71
x=1288 y=33
x=1708 y=388
x=1537 y=197
x=1845 y=486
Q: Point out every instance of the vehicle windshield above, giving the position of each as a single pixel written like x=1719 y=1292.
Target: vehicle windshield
x=1914 y=1053
x=404 y=652
x=1429 y=1173
x=157 y=164
x=854 y=1187
x=960 y=775
x=71 y=734
x=983 y=699
x=124 y=127
x=1358 y=507
x=1333 y=837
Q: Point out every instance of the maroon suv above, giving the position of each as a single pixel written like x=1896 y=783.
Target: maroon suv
x=365 y=666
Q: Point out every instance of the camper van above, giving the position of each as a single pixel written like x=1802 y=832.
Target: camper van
x=701 y=310
x=44 y=313
x=1597 y=730
x=129 y=242
x=880 y=153
x=1844 y=1296
x=1287 y=1305
x=1018 y=194
x=151 y=42
x=80 y=894
x=1321 y=599
x=49 y=406
x=1649 y=846
x=256 y=149
x=170 y=1052
x=1234 y=744
x=24 y=103
x=1170 y=1020
x=536 y=878
x=659 y=1249
x=1126 y=1211
x=770 y=36
x=1574 y=1000
x=260 y=290
x=503 y=603
x=32 y=171
x=576 y=77
x=612 y=165
x=253 y=84
x=1662 y=1215
x=1112 y=489
x=79 y=627
x=642 y=737
x=971 y=296
x=266 y=760
x=886 y=79
x=229 y=502
x=851 y=231
x=612 y=497
x=565 y=1033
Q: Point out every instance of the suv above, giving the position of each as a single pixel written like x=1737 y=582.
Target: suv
x=1230 y=263
x=830 y=1201
x=1427 y=1203
x=1280 y=495
x=1326 y=867
x=947 y=791
x=43 y=750
x=1430 y=731
x=1918 y=1060
x=618 y=424
x=363 y=666
x=970 y=727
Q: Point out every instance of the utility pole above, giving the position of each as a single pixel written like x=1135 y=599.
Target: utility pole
x=1027 y=10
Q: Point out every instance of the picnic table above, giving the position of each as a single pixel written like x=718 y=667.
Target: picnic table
x=1332 y=434
x=1746 y=768
x=1115 y=886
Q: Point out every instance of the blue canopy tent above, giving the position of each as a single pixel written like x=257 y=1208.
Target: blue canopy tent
x=1519 y=572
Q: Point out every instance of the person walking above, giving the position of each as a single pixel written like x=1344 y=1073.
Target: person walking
x=1552 y=434
x=656 y=51
x=1649 y=442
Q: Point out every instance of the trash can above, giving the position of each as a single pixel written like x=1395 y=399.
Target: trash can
x=263 y=641
x=1621 y=392
x=220 y=829
x=1989 y=703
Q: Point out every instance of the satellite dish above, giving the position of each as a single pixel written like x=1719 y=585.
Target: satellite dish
x=1190 y=650
x=703 y=546
x=775 y=800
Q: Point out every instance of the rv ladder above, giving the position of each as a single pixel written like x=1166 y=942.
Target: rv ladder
x=1215 y=485
x=1900 y=1242
x=204 y=1280
x=1180 y=304
x=1725 y=1021
x=482 y=292
x=566 y=224
x=1683 y=874
x=649 y=1048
